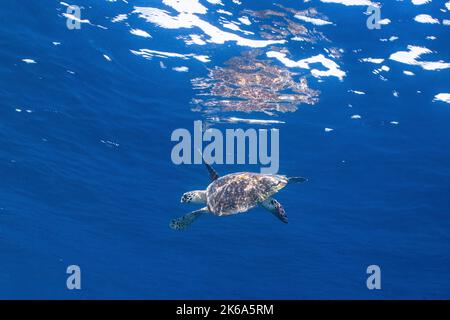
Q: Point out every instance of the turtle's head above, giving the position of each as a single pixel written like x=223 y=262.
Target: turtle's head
x=198 y=196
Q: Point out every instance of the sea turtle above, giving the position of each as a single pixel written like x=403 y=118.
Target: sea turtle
x=236 y=193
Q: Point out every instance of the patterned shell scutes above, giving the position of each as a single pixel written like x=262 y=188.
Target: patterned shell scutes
x=239 y=192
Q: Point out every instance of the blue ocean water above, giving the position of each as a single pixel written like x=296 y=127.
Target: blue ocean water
x=87 y=177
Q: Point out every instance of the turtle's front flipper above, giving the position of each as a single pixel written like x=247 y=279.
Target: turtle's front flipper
x=184 y=221
x=276 y=208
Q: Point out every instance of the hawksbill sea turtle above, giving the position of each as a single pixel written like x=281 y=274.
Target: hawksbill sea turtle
x=236 y=193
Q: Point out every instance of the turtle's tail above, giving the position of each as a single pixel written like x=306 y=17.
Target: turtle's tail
x=296 y=179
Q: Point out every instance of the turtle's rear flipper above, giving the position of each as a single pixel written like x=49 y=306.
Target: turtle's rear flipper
x=184 y=221
x=212 y=173
x=296 y=179
x=276 y=209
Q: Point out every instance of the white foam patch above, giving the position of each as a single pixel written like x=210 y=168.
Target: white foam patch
x=75 y=18
x=110 y=143
x=420 y=2
x=140 y=33
x=333 y=67
x=425 y=18
x=315 y=21
x=446 y=22
x=195 y=39
x=149 y=54
x=29 y=61
x=186 y=6
x=373 y=60
x=233 y=26
x=298 y=39
x=162 y=19
x=408 y=73
x=383 y=68
x=201 y=58
x=215 y=2
x=228 y=13
x=245 y=20
x=357 y=92
x=447 y=5
x=107 y=58
x=242 y=120
x=413 y=54
x=391 y=39
x=356 y=116
x=328 y=129
x=352 y=2
x=180 y=69
x=444 y=97
x=119 y=18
